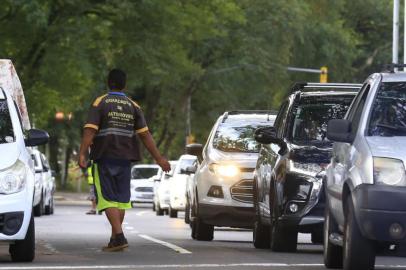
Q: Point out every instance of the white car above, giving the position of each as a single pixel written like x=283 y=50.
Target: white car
x=178 y=183
x=44 y=185
x=221 y=193
x=142 y=187
x=17 y=180
x=161 y=191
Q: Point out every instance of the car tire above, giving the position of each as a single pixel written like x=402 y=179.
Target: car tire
x=203 y=231
x=283 y=239
x=153 y=207
x=261 y=234
x=317 y=237
x=38 y=209
x=172 y=213
x=47 y=208
x=159 y=211
x=52 y=208
x=358 y=252
x=187 y=212
x=333 y=254
x=24 y=250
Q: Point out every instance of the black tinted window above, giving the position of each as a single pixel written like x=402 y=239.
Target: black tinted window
x=6 y=127
x=388 y=115
x=143 y=173
x=311 y=115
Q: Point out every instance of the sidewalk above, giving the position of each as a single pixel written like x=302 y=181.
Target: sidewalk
x=71 y=198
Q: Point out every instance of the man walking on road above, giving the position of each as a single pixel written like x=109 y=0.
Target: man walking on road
x=111 y=131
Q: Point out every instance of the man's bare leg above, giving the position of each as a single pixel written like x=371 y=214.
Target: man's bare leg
x=114 y=217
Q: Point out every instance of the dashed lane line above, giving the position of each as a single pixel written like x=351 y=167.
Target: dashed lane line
x=166 y=244
x=142 y=213
x=177 y=266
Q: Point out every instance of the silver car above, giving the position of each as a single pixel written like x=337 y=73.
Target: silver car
x=365 y=181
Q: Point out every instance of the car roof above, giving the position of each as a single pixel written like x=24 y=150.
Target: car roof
x=327 y=93
x=393 y=76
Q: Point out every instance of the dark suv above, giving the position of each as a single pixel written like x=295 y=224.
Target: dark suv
x=292 y=158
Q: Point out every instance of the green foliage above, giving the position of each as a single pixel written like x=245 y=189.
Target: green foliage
x=225 y=54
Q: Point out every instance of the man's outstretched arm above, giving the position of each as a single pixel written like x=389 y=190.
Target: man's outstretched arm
x=149 y=143
x=87 y=139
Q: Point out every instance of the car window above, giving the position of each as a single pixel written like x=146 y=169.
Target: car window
x=6 y=126
x=356 y=117
x=143 y=173
x=353 y=107
x=388 y=112
x=237 y=137
x=280 y=119
x=183 y=164
x=311 y=115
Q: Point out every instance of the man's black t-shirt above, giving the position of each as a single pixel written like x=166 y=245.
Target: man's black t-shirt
x=117 y=120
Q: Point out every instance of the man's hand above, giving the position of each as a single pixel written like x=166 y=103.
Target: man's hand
x=82 y=161
x=164 y=164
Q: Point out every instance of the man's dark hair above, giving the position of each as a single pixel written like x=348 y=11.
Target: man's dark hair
x=117 y=79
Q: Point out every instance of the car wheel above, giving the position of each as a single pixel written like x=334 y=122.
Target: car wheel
x=173 y=213
x=52 y=205
x=317 y=237
x=333 y=255
x=24 y=250
x=159 y=211
x=261 y=233
x=187 y=212
x=283 y=239
x=38 y=209
x=47 y=208
x=359 y=252
x=153 y=207
x=203 y=231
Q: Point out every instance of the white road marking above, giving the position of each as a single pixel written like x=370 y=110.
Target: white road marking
x=129 y=228
x=134 y=266
x=166 y=244
x=141 y=213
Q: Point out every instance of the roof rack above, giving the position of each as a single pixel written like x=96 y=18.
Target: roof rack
x=321 y=86
x=392 y=67
x=267 y=112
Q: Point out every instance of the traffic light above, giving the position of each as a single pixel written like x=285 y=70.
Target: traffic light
x=323 y=74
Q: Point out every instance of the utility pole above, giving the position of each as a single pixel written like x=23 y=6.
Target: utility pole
x=395 y=43
x=188 y=138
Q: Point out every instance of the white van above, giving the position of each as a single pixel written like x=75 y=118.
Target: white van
x=16 y=170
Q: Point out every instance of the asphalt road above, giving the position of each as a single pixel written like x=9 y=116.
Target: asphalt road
x=72 y=240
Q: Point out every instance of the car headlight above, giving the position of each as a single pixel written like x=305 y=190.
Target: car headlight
x=311 y=169
x=224 y=170
x=12 y=180
x=389 y=171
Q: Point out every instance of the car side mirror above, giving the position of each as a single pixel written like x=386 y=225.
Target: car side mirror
x=195 y=149
x=36 y=137
x=190 y=170
x=267 y=135
x=339 y=130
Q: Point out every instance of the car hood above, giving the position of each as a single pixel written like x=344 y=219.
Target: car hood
x=310 y=154
x=391 y=147
x=13 y=152
x=248 y=160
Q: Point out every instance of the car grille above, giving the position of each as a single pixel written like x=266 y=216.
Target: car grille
x=144 y=189
x=243 y=191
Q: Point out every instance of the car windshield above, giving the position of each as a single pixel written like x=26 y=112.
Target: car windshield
x=6 y=127
x=388 y=115
x=237 y=137
x=143 y=173
x=311 y=115
x=184 y=163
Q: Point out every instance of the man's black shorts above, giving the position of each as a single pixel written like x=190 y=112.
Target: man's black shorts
x=112 y=180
